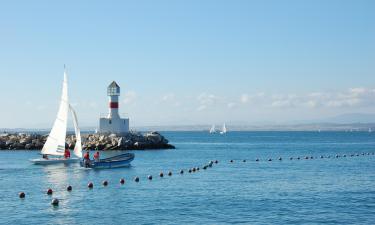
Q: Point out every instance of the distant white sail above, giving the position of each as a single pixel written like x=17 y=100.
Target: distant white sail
x=55 y=144
x=212 y=130
x=224 y=130
x=78 y=145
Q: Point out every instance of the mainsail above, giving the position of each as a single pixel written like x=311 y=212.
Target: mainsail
x=55 y=144
x=212 y=130
x=224 y=129
x=78 y=145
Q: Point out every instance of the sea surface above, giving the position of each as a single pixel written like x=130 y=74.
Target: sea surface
x=306 y=191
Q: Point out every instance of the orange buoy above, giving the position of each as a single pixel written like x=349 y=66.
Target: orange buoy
x=194 y=169
x=122 y=181
x=136 y=179
x=105 y=183
x=149 y=177
x=161 y=174
x=170 y=173
x=55 y=202
x=181 y=171
x=22 y=195
x=49 y=191
x=69 y=188
x=90 y=185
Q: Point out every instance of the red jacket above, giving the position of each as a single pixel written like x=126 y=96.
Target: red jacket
x=67 y=154
x=96 y=155
x=86 y=155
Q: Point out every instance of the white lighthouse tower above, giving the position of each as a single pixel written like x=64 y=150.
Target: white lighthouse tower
x=113 y=123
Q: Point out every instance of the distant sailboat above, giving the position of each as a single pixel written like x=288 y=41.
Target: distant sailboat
x=213 y=129
x=224 y=130
x=55 y=144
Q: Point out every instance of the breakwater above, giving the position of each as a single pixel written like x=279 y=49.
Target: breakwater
x=128 y=141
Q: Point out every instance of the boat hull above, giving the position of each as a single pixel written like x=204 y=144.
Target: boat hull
x=53 y=161
x=122 y=160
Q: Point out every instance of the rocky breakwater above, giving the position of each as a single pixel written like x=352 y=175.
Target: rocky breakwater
x=129 y=141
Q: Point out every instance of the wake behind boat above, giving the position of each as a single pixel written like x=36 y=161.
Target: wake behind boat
x=54 y=151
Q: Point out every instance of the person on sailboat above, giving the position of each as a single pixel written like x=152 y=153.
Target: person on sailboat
x=96 y=156
x=86 y=158
x=67 y=154
x=45 y=156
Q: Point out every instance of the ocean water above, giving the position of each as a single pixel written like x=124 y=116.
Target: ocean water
x=313 y=191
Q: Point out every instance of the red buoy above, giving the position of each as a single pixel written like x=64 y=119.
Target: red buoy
x=136 y=179
x=69 y=188
x=49 y=191
x=170 y=173
x=181 y=171
x=149 y=177
x=90 y=185
x=105 y=183
x=122 y=181
x=161 y=174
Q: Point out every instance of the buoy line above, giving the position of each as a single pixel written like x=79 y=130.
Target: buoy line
x=90 y=185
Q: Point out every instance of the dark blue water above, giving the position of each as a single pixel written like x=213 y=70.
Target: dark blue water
x=314 y=191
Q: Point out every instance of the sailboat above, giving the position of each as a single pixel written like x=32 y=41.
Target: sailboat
x=55 y=144
x=224 y=130
x=212 y=130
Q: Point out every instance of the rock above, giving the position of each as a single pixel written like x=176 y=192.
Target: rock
x=128 y=141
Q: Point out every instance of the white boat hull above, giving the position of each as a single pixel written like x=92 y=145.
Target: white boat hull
x=52 y=161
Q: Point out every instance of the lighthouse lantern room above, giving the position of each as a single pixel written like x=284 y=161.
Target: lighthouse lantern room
x=113 y=123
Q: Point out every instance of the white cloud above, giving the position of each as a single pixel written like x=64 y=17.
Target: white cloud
x=168 y=97
x=130 y=97
x=205 y=100
x=244 y=98
x=232 y=105
x=201 y=108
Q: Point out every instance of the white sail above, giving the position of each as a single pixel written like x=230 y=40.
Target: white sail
x=55 y=144
x=212 y=130
x=224 y=130
x=78 y=145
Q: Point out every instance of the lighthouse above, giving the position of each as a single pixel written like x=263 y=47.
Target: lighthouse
x=113 y=123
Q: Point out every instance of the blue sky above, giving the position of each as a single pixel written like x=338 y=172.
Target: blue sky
x=188 y=62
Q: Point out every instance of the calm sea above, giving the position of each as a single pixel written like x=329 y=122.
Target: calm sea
x=313 y=191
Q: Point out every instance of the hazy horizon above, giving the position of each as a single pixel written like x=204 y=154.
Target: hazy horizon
x=188 y=63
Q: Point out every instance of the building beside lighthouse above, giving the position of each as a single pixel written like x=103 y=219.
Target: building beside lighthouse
x=113 y=123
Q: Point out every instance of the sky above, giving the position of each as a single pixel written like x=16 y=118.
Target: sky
x=187 y=62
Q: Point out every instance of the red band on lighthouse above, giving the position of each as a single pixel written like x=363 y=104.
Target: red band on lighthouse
x=113 y=105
